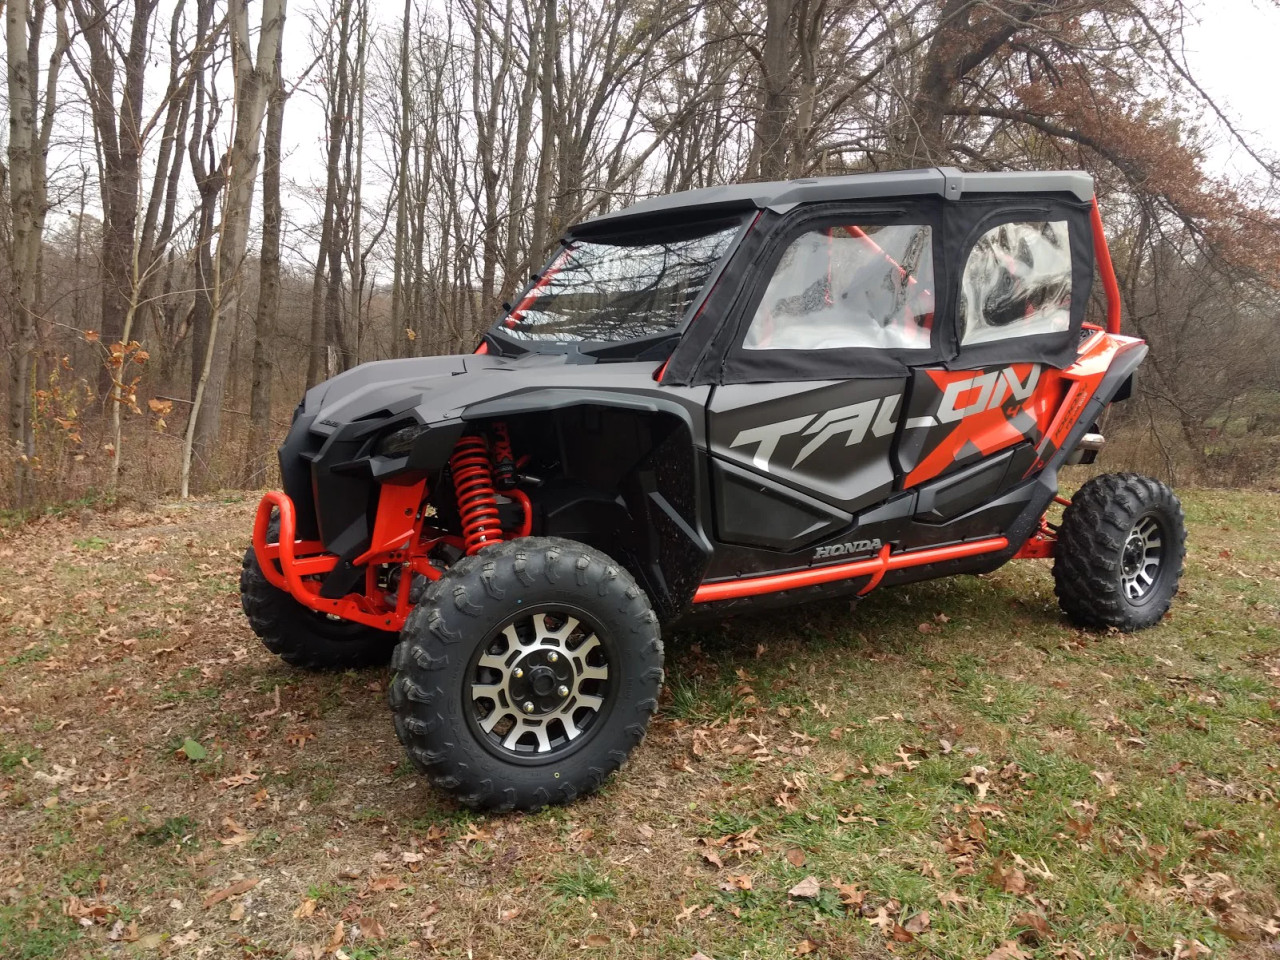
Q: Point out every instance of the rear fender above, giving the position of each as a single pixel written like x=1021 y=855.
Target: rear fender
x=1107 y=364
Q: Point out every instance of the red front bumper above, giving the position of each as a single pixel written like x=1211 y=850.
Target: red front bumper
x=294 y=565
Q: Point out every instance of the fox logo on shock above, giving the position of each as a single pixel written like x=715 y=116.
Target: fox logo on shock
x=853 y=421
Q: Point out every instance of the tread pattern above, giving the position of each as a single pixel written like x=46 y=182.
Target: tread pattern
x=301 y=637
x=458 y=610
x=1087 y=569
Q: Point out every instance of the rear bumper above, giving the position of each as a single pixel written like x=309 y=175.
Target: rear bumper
x=292 y=565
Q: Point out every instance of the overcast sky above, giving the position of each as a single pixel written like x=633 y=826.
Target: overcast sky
x=1232 y=47
x=1233 y=52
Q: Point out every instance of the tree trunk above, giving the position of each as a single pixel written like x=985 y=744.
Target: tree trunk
x=540 y=240
x=254 y=78
x=25 y=239
x=401 y=186
x=265 y=320
x=775 y=108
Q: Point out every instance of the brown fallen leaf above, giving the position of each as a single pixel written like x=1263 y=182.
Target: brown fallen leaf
x=805 y=946
x=506 y=916
x=92 y=912
x=305 y=909
x=597 y=940
x=952 y=898
x=380 y=884
x=806 y=889
x=917 y=923
x=850 y=895
x=372 y=929
x=237 y=912
x=238 y=834
x=1037 y=928
x=243 y=886
x=977 y=780
x=795 y=857
x=713 y=858
x=882 y=920
x=339 y=934
x=1008 y=950
x=1009 y=879
x=476 y=834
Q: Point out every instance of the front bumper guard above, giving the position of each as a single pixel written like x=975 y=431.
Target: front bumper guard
x=296 y=566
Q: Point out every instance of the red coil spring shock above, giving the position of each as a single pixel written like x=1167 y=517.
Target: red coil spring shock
x=477 y=498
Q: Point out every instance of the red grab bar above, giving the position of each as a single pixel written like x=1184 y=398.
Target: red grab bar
x=1105 y=268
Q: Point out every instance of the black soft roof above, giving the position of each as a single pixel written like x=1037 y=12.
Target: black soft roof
x=947 y=182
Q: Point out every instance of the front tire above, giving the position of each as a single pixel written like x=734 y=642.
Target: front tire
x=1120 y=552
x=302 y=637
x=527 y=674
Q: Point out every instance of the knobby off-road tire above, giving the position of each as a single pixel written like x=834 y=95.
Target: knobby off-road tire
x=302 y=637
x=1120 y=552
x=527 y=674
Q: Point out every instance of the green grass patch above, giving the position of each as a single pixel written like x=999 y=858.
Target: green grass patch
x=583 y=882
x=32 y=929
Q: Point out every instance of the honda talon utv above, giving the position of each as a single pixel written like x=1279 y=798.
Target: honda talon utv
x=746 y=395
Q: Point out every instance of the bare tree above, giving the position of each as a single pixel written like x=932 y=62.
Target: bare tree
x=256 y=76
x=265 y=318
x=29 y=133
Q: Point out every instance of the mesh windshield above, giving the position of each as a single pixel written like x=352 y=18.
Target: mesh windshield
x=619 y=288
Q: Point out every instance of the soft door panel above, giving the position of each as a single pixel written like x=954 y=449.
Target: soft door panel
x=957 y=417
x=830 y=439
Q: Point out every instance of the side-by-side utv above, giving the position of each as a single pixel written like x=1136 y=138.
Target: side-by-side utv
x=754 y=394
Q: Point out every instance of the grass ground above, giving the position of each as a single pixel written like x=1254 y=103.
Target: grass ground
x=950 y=771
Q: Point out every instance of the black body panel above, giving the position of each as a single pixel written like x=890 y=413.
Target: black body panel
x=754 y=512
x=627 y=438
x=832 y=439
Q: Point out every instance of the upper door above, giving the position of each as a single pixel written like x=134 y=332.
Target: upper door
x=1022 y=285
x=813 y=384
x=841 y=291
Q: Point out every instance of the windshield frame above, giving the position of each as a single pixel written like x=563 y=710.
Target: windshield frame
x=650 y=346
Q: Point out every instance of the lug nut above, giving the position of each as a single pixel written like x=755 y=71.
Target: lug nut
x=528 y=706
x=562 y=690
x=552 y=657
x=517 y=673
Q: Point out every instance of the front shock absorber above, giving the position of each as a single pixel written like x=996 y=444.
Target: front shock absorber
x=474 y=488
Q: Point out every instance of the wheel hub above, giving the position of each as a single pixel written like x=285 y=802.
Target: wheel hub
x=540 y=683
x=538 y=678
x=1141 y=558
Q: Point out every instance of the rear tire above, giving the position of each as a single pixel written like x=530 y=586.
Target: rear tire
x=527 y=674
x=1120 y=552
x=302 y=637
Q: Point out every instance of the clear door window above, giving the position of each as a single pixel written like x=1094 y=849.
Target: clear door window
x=849 y=286
x=1016 y=283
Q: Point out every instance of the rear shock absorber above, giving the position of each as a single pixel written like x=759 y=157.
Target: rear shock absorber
x=477 y=498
